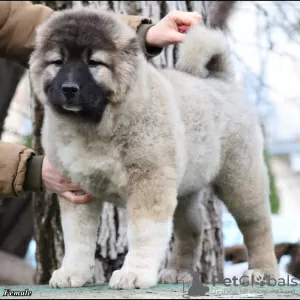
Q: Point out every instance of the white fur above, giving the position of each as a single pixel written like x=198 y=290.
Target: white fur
x=79 y=223
x=147 y=244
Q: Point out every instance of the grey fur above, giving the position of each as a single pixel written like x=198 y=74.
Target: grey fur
x=164 y=135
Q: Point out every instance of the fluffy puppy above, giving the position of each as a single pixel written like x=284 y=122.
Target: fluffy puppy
x=149 y=140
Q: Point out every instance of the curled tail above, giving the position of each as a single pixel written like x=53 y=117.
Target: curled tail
x=204 y=53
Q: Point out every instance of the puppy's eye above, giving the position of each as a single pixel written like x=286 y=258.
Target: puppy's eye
x=57 y=62
x=95 y=63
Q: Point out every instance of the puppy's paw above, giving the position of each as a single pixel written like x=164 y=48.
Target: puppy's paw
x=76 y=277
x=132 y=279
x=175 y=276
x=258 y=276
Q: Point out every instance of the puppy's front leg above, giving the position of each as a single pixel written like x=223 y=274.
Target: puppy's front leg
x=79 y=223
x=151 y=205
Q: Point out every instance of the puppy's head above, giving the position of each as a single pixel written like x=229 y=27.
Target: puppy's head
x=83 y=59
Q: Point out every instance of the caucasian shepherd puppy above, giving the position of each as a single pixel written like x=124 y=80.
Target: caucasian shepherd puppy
x=150 y=140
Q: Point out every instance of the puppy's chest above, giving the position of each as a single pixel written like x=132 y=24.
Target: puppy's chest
x=95 y=165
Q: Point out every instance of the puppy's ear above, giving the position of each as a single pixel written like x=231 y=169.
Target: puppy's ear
x=43 y=31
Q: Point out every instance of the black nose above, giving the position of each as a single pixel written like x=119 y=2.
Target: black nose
x=70 y=89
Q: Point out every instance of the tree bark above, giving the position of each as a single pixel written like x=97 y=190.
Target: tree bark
x=112 y=240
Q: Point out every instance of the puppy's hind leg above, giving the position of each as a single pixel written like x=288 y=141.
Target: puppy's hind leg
x=151 y=204
x=244 y=187
x=188 y=233
x=79 y=224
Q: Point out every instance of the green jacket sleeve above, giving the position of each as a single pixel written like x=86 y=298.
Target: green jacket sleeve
x=148 y=50
x=33 y=178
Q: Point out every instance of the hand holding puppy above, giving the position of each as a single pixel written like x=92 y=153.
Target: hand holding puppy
x=62 y=186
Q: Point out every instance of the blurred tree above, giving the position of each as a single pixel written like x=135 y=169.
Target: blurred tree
x=112 y=241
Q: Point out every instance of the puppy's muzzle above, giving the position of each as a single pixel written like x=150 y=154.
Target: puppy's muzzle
x=70 y=92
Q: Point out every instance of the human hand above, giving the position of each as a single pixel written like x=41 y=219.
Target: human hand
x=169 y=29
x=61 y=185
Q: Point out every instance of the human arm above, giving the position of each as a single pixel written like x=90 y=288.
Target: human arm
x=18 y=21
x=13 y=167
x=22 y=171
x=169 y=30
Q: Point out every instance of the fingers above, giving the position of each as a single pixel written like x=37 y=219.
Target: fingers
x=177 y=37
x=196 y=17
x=66 y=185
x=75 y=198
x=73 y=192
x=185 y=18
x=71 y=187
x=61 y=185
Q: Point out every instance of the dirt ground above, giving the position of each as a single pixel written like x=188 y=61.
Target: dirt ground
x=158 y=292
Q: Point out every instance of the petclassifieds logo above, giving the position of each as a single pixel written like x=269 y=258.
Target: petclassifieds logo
x=227 y=286
x=256 y=281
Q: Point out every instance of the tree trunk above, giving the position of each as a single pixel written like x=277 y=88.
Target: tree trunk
x=112 y=240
